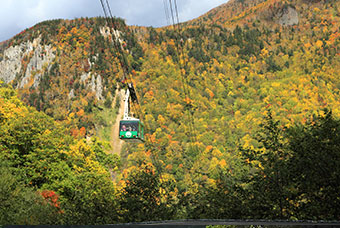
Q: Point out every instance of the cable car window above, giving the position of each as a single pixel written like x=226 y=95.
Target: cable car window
x=129 y=126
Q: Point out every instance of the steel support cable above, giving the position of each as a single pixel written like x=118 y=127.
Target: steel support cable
x=114 y=40
x=126 y=71
x=184 y=84
x=166 y=9
x=176 y=9
x=185 y=87
x=172 y=13
x=177 y=35
x=124 y=62
x=111 y=24
x=124 y=65
x=121 y=57
x=180 y=52
x=190 y=110
x=185 y=65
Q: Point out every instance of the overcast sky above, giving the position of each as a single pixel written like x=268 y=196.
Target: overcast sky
x=17 y=15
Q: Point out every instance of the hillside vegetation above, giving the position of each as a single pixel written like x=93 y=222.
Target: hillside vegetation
x=243 y=123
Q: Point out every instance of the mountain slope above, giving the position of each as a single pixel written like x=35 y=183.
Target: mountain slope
x=240 y=61
x=65 y=69
x=237 y=70
x=237 y=67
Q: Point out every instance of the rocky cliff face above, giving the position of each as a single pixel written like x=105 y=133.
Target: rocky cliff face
x=288 y=16
x=37 y=58
x=67 y=68
x=93 y=83
x=42 y=57
x=28 y=61
x=11 y=65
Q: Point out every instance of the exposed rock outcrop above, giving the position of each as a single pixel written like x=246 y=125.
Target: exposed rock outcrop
x=71 y=94
x=94 y=83
x=84 y=76
x=11 y=65
x=42 y=57
x=97 y=86
x=105 y=31
x=288 y=16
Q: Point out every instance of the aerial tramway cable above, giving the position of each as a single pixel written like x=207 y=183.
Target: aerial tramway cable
x=173 y=11
x=166 y=10
x=185 y=83
x=119 y=49
x=127 y=76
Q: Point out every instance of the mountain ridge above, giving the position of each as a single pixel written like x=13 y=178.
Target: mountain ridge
x=212 y=111
x=74 y=37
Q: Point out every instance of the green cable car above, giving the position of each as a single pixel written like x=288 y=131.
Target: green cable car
x=131 y=130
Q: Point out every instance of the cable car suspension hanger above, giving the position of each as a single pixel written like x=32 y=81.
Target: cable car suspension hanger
x=130 y=129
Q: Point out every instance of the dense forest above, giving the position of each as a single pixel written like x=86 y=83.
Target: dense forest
x=242 y=121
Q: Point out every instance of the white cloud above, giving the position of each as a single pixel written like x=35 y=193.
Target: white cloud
x=16 y=15
x=192 y=8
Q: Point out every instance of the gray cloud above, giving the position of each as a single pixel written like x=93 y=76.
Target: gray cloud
x=16 y=15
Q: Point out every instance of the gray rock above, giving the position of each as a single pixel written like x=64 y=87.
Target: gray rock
x=11 y=65
x=288 y=17
x=94 y=84
x=37 y=63
x=99 y=88
x=37 y=79
x=71 y=94
x=84 y=76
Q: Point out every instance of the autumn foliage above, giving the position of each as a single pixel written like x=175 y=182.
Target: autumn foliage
x=227 y=118
x=51 y=197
